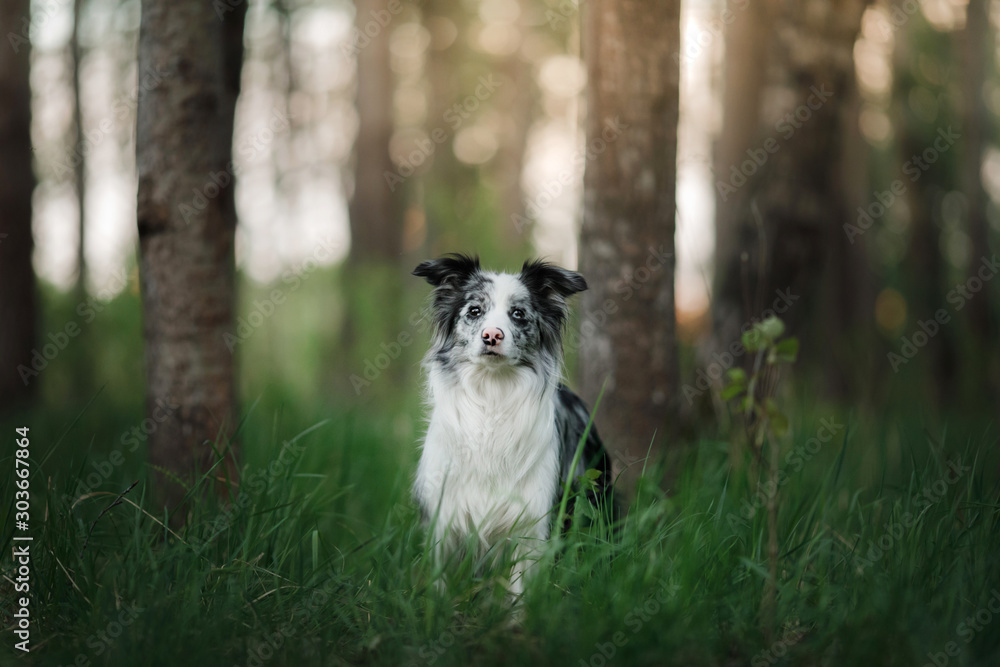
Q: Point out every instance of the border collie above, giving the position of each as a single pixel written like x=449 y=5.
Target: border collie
x=502 y=431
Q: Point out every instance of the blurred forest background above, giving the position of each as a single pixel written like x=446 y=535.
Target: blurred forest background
x=838 y=160
x=208 y=216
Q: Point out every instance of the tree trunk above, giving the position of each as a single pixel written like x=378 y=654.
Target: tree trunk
x=746 y=58
x=80 y=168
x=924 y=266
x=976 y=47
x=187 y=220
x=627 y=240
x=784 y=193
x=376 y=206
x=375 y=210
x=18 y=299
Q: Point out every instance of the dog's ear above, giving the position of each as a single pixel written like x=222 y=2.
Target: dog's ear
x=544 y=278
x=451 y=267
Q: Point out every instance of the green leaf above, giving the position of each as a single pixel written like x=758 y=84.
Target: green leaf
x=752 y=340
x=737 y=376
x=771 y=328
x=779 y=424
x=732 y=391
x=787 y=350
x=592 y=474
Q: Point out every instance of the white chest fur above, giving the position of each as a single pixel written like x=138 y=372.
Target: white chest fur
x=489 y=463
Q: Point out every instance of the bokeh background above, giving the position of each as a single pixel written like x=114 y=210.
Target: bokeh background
x=838 y=157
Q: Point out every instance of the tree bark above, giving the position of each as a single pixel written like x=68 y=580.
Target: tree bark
x=781 y=225
x=375 y=210
x=976 y=47
x=627 y=241
x=924 y=265
x=746 y=58
x=18 y=298
x=80 y=168
x=187 y=220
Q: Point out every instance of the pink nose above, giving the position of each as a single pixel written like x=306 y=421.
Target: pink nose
x=492 y=336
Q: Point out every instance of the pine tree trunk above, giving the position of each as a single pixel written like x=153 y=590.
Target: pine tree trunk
x=746 y=59
x=976 y=46
x=187 y=221
x=785 y=192
x=80 y=165
x=375 y=209
x=924 y=265
x=628 y=323
x=18 y=299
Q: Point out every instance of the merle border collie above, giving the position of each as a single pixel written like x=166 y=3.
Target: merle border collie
x=502 y=429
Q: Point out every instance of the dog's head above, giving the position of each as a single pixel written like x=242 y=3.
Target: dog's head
x=498 y=319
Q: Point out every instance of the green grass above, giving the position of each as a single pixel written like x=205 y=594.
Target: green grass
x=326 y=562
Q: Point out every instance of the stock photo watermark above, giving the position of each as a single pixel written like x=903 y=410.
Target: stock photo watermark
x=930 y=327
x=553 y=187
x=130 y=441
x=360 y=38
x=265 y=648
x=626 y=287
x=913 y=169
x=455 y=116
x=694 y=48
x=776 y=651
x=59 y=340
x=264 y=309
x=251 y=488
x=248 y=148
x=372 y=368
x=967 y=631
x=796 y=459
x=722 y=362
x=895 y=531
x=786 y=127
x=635 y=620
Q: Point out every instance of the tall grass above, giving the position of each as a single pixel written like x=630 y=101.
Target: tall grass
x=888 y=532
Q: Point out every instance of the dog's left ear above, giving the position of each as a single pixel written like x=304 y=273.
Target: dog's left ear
x=544 y=277
x=451 y=267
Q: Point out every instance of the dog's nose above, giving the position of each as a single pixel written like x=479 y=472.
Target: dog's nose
x=492 y=336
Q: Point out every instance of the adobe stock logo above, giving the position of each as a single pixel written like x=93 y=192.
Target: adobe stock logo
x=967 y=631
x=957 y=297
x=913 y=168
x=786 y=127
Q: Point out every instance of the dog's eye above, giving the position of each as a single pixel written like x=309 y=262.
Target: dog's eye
x=517 y=314
x=475 y=311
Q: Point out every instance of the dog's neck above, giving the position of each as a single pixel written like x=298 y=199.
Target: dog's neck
x=506 y=412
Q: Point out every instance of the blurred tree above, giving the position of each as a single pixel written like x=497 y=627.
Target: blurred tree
x=18 y=298
x=783 y=189
x=628 y=323
x=747 y=38
x=372 y=282
x=187 y=220
x=516 y=97
x=451 y=188
x=976 y=46
x=921 y=111
x=80 y=161
x=464 y=202
x=375 y=209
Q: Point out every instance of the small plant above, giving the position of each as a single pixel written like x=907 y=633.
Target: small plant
x=764 y=421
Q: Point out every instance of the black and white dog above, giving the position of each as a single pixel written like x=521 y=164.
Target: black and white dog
x=503 y=430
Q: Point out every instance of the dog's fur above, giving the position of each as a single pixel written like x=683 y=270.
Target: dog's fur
x=502 y=430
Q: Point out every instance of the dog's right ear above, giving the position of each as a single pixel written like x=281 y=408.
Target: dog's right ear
x=452 y=267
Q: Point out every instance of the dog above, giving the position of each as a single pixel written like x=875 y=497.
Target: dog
x=502 y=430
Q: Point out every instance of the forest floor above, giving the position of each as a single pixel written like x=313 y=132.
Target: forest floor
x=888 y=529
